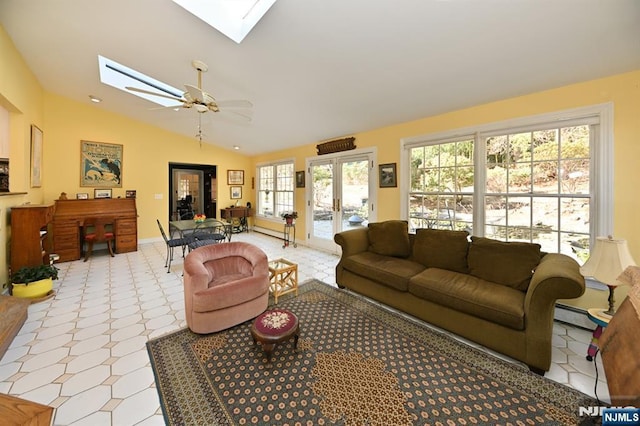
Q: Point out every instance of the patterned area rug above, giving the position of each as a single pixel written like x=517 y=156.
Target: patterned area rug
x=356 y=364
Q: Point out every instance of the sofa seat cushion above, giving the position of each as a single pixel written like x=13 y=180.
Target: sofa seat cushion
x=474 y=296
x=390 y=271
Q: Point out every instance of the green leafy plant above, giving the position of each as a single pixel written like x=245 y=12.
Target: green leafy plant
x=292 y=215
x=29 y=274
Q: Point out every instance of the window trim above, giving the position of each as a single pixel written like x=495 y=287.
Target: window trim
x=291 y=161
x=600 y=115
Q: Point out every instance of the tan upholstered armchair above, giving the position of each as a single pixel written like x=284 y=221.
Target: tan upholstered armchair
x=224 y=285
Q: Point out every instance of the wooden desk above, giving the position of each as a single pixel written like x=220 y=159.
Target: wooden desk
x=238 y=217
x=69 y=217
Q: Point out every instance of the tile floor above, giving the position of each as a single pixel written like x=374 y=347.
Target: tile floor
x=83 y=352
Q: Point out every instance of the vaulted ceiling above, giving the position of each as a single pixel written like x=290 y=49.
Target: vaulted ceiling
x=322 y=69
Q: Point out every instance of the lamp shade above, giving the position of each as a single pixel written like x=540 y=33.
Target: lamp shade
x=608 y=259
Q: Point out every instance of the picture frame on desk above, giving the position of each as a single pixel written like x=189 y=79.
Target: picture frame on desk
x=102 y=193
x=82 y=196
x=130 y=193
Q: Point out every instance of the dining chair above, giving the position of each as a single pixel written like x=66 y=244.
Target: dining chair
x=171 y=244
x=211 y=231
x=95 y=231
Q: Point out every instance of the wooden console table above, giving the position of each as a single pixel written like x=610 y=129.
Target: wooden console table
x=69 y=217
x=238 y=216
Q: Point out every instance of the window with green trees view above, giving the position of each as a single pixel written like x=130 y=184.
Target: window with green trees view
x=275 y=189
x=530 y=185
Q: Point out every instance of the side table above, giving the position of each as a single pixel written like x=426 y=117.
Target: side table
x=283 y=276
x=601 y=320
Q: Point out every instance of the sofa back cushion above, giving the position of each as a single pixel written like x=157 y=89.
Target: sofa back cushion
x=507 y=263
x=390 y=238
x=441 y=248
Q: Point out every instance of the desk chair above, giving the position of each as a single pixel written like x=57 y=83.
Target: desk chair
x=171 y=243
x=95 y=231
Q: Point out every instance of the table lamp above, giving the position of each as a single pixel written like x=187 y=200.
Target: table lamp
x=608 y=259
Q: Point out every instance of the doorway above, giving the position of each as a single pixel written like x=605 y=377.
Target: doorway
x=192 y=190
x=340 y=196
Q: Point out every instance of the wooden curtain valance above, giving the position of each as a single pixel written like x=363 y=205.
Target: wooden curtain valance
x=336 y=146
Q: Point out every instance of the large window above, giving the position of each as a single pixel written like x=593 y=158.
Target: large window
x=275 y=189
x=542 y=180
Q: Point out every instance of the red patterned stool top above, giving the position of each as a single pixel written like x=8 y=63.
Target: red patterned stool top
x=276 y=322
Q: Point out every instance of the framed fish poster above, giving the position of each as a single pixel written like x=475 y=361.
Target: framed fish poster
x=100 y=164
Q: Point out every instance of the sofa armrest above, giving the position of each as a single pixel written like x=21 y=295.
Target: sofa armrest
x=353 y=241
x=556 y=277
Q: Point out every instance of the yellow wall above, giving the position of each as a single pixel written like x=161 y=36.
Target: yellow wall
x=623 y=90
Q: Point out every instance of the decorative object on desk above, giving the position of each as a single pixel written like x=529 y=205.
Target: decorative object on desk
x=607 y=261
x=33 y=281
x=36 y=157
x=235 y=177
x=337 y=145
x=100 y=164
x=102 y=193
x=199 y=218
x=236 y=192
x=300 y=179
x=82 y=196
x=288 y=217
x=387 y=176
x=63 y=196
x=130 y=193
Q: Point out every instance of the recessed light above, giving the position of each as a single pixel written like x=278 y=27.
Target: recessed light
x=95 y=99
x=236 y=147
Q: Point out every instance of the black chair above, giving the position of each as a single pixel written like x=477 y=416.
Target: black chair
x=210 y=231
x=171 y=244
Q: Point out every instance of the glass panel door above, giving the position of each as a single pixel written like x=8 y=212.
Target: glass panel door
x=339 y=197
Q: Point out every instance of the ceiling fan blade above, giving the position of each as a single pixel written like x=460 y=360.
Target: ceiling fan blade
x=135 y=89
x=176 y=107
x=197 y=95
x=234 y=104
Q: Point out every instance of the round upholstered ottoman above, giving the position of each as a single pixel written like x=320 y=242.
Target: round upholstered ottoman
x=275 y=326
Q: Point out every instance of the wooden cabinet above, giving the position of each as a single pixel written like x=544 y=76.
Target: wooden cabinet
x=30 y=244
x=69 y=218
x=238 y=217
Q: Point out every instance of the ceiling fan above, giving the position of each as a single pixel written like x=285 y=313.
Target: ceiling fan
x=201 y=101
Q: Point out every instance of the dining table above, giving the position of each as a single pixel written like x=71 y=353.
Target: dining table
x=187 y=226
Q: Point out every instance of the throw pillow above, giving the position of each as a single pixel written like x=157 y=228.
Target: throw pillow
x=390 y=238
x=507 y=263
x=440 y=248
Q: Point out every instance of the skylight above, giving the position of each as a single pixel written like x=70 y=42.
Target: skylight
x=120 y=76
x=233 y=18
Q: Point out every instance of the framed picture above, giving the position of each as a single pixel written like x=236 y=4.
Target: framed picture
x=82 y=196
x=36 y=157
x=100 y=164
x=300 y=179
x=387 y=178
x=235 y=177
x=130 y=193
x=102 y=193
x=236 y=192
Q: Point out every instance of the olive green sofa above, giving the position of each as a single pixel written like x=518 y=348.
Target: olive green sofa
x=498 y=294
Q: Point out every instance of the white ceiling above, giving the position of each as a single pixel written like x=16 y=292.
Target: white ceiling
x=316 y=70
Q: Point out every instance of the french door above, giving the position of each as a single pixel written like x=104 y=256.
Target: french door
x=339 y=196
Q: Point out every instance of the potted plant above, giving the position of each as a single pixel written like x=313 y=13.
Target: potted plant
x=288 y=217
x=33 y=281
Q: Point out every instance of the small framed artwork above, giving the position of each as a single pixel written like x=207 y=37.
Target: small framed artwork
x=130 y=193
x=82 y=196
x=236 y=192
x=102 y=193
x=387 y=178
x=235 y=177
x=36 y=157
x=300 y=179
